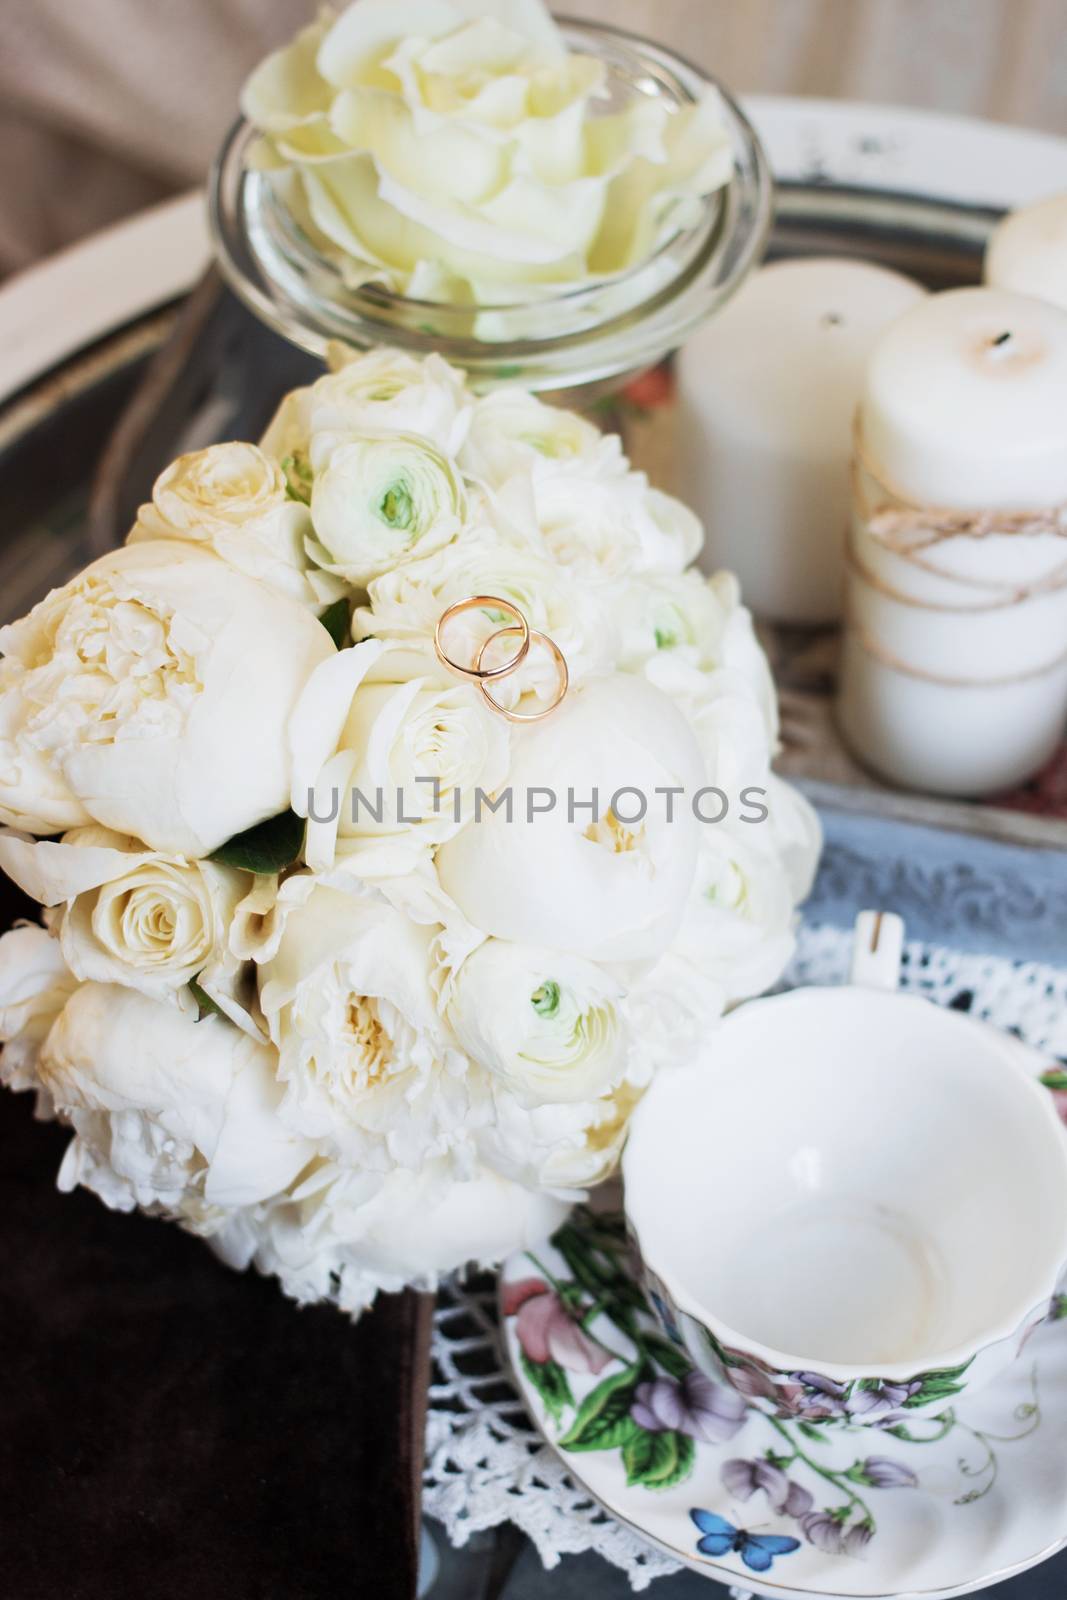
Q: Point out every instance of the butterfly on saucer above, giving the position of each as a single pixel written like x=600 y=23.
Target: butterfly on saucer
x=757 y=1550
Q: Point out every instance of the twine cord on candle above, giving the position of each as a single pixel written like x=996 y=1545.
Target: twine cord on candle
x=908 y=529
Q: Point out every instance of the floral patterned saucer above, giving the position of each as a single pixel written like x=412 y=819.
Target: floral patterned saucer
x=810 y=1506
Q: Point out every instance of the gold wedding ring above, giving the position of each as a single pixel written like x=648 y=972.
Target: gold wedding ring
x=484 y=602
x=528 y=634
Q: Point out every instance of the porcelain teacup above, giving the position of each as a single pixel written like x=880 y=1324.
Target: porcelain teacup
x=855 y=1206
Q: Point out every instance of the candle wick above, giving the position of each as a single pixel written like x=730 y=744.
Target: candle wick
x=1001 y=338
x=832 y=319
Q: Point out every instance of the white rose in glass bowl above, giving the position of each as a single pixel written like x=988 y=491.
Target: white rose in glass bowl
x=567 y=869
x=378 y=500
x=365 y=1060
x=234 y=498
x=168 y=1113
x=132 y=916
x=545 y=1023
x=449 y=151
x=150 y=694
x=388 y=749
x=344 y=1235
x=380 y=391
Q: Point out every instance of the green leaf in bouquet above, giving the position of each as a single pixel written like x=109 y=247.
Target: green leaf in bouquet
x=603 y=1421
x=337 y=621
x=1055 y=1078
x=208 y=1007
x=657 y=1460
x=268 y=847
x=552 y=1384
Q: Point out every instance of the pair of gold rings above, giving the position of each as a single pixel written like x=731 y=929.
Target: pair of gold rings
x=483 y=676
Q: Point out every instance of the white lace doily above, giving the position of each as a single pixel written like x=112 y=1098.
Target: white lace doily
x=486 y=1464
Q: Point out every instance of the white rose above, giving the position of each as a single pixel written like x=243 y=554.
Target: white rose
x=405 y=606
x=514 y=433
x=35 y=985
x=128 y=915
x=545 y=1023
x=380 y=500
x=386 y=745
x=586 y=880
x=150 y=694
x=450 y=153
x=380 y=391
x=346 y=1235
x=234 y=499
x=364 y=1057
x=168 y=1113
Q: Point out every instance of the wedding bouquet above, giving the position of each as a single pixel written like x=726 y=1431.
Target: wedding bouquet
x=399 y=798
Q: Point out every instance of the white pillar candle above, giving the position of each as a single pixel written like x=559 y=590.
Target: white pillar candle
x=766 y=395
x=1027 y=252
x=954 y=669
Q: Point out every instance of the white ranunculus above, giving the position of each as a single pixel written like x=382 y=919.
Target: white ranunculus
x=545 y=1023
x=128 y=915
x=614 y=526
x=739 y=927
x=569 y=871
x=513 y=433
x=380 y=390
x=234 y=498
x=449 y=151
x=168 y=1113
x=388 y=747
x=365 y=1059
x=35 y=985
x=378 y=500
x=680 y=612
x=150 y=694
x=346 y=1234
x=405 y=606
x=565 y=1147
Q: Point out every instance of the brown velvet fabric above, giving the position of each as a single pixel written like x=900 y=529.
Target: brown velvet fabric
x=171 y=1430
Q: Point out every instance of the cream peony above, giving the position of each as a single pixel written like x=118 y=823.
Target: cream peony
x=344 y=1235
x=457 y=152
x=35 y=985
x=379 y=500
x=387 y=746
x=545 y=1023
x=363 y=1055
x=568 y=871
x=150 y=695
x=235 y=499
x=132 y=916
x=168 y=1113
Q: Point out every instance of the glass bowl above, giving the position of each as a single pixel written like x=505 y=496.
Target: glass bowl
x=583 y=340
